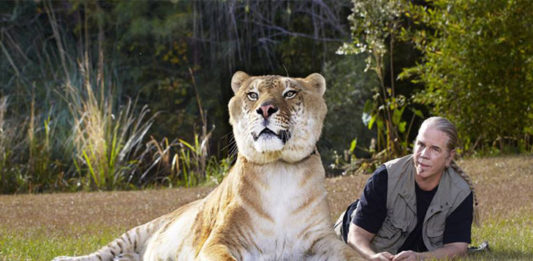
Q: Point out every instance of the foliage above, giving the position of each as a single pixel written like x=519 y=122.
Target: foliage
x=8 y=171
x=374 y=26
x=183 y=164
x=348 y=89
x=477 y=67
x=33 y=136
x=107 y=146
x=70 y=68
x=27 y=163
x=66 y=126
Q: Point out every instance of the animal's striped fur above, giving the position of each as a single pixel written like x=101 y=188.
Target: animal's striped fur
x=129 y=246
x=272 y=204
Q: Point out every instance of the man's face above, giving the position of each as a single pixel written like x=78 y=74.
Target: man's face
x=431 y=154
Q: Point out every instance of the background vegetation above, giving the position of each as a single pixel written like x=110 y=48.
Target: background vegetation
x=100 y=95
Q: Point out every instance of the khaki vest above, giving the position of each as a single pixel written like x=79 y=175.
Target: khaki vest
x=401 y=206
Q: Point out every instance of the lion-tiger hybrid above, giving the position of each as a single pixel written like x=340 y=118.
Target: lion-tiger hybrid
x=271 y=205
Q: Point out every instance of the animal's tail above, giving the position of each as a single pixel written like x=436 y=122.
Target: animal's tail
x=129 y=246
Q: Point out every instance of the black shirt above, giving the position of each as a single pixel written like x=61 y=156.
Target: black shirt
x=414 y=241
x=374 y=210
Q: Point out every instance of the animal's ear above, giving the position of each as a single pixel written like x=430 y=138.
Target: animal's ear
x=238 y=78
x=317 y=81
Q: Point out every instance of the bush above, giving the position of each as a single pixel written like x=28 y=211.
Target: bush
x=477 y=68
x=348 y=89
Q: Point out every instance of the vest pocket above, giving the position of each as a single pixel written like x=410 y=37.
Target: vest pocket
x=435 y=237
x=435 y=230
x=388 y=231
x=388 y=235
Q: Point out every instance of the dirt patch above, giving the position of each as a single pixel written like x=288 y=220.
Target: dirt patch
x=503 y=185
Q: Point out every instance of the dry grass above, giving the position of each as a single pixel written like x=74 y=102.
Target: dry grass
x=504 y=186
x=37 y=227
x=74 y=214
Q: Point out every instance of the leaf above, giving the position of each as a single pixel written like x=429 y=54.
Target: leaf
x=188 y=145
x=353 y=145
x=418 y=113
x=369 y=106
x=401 y=126
x=380 y=124
x=397 y=116
x=371 y=122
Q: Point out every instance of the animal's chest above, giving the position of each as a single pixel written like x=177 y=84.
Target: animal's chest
x=283 y=238
x=289 y=200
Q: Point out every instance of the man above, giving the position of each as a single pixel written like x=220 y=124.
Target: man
x=415 y=207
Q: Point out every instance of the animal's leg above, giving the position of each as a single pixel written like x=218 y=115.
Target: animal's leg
x=215 y=252
x=331 y=247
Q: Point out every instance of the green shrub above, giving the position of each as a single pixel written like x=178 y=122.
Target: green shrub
x=108 y=140
x=477 y=68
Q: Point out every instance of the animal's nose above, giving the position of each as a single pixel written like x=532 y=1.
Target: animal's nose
x=267 y=110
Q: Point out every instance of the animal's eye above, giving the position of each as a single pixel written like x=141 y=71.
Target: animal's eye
x=289 y=94
x=252 y=96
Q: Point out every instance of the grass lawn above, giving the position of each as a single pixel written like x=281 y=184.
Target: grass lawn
x=40 y=227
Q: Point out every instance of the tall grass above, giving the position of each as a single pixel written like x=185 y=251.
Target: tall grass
x=108 y=142
x=7 y=172
x=66 y=124
x=197 y=167
x=186 y=163
x=41 y=166
x=55 y=132
x=182 y=163
x=26 y=163
x=91 y=141
x=61 y=134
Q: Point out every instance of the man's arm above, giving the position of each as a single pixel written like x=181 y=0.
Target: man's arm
x=359 y=239
x=448 y=251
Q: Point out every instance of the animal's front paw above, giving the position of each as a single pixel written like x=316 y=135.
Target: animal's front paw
x=350 y=254
x=216 y=252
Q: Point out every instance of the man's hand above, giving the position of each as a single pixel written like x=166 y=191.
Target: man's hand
x=406 y=256
x=448 y=251
x=382 y=256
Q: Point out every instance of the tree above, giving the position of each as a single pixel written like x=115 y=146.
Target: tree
x=477 y=67
x=177 y=57
x=375 y=26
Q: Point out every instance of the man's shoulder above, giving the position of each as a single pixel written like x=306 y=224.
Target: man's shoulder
x=380 y=175
x=398 y=161
x=399 y=167
x=381 y=170
x=459 y=181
